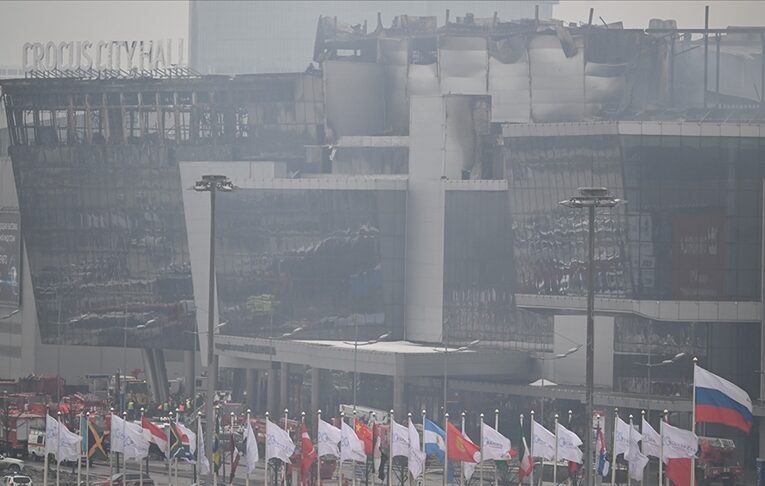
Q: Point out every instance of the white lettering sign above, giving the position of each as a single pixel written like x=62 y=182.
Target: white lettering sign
x=103 y=55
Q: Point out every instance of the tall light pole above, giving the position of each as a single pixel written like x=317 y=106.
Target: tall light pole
x=356 y=345
x=211 y=184
x=651 y=366
x=446 y=352
x=590 y=198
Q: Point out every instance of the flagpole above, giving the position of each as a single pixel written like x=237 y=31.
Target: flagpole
x=140 y=462
x=340 y=469
x=693 y=420
x=629 y=439
x=231 y=423
x=87 y=449
x=496 y=427
x=462 y=464
x=167 y=452
x=124 y=456
x=390 y=451
x=446 y=445
x=45 y=464
x=613 y=449
x=111 y=455
x=58 y=447
x=531 y=454
x=542 y=473
x=318 y=456
x=265 y=466
x=570 y=414
x=642 y=421
x=180 y=446
x=480 y=463
x=286 y=414
x=79 y=456
x=424 y=466
x=302 y=421
x=198 y=466
x=555 y=464
x=247 y=469
x=664 y=418
x=353 y=461
x=216 y=426
x=409 y=416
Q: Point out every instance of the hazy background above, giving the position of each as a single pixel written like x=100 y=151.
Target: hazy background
x=50 y=20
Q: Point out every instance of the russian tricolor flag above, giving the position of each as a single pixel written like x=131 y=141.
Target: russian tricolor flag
x=720 y=401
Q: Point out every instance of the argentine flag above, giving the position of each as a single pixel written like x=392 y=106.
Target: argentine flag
x=435 y=440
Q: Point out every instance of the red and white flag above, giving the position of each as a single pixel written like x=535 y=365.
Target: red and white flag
x=158 y=434
x=527 y=464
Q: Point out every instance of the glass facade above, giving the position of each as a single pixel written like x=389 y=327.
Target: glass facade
x=321 y=260
x=549 y=240
x=690 y=230
x=107 y=249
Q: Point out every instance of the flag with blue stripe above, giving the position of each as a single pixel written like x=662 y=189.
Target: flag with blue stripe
x=435 y=440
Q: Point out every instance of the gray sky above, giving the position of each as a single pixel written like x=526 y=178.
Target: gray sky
x=63 y=20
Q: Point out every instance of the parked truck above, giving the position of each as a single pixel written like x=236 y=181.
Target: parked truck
x=717 y=462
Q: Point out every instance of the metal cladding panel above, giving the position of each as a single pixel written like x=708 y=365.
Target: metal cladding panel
x=557 y=81
x=355 y=97
x=422 y=80
x=467 y=126
x=464 y=65
x=604 y=84
x=510 y=91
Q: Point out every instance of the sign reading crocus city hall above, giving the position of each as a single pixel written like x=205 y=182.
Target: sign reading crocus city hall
x=103 y=55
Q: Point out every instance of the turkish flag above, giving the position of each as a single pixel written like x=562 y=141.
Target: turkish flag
x=307 y=454
x=458 y=446
x=365 y=434
x=679 y=471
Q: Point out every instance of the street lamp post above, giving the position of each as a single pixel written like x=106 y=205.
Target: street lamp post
x=211 y=184
x=590 y=198
x=651 y=366
x=356 y=345
x=446 y=352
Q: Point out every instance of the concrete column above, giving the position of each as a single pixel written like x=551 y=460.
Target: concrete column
x=284 y=374
x=151 y=372
x=189 y=372
x=271 y=390
x=251 y=381
x=315 y=384
x=398 y=395
x=162 y=383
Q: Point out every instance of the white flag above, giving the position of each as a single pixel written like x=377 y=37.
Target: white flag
x=678 y=443
x=278 y=443
x=60 y=441
x=204 y=464
x=129 y=439
x=651 y=440
x=637 y=461
x=251 y=453
x=468 y=468
x=416 y=455
x=544 y=442
x=399 y=440
x=351 y=447
x=495 y=446
x=328 y=440
x=621 y=437
x=568 y=445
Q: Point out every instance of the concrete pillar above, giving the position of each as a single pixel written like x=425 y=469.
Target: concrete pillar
x=151 y=372
x=238 y=384
x=398 y=395
x=315 y=384
x=251 y=381
x=271 y=391
x=162 y=383
x=189 y=372
x=284 y=375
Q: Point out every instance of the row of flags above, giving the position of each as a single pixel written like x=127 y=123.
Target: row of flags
x=716 y=400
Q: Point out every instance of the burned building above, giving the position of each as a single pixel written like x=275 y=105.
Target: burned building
x=410 y=184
